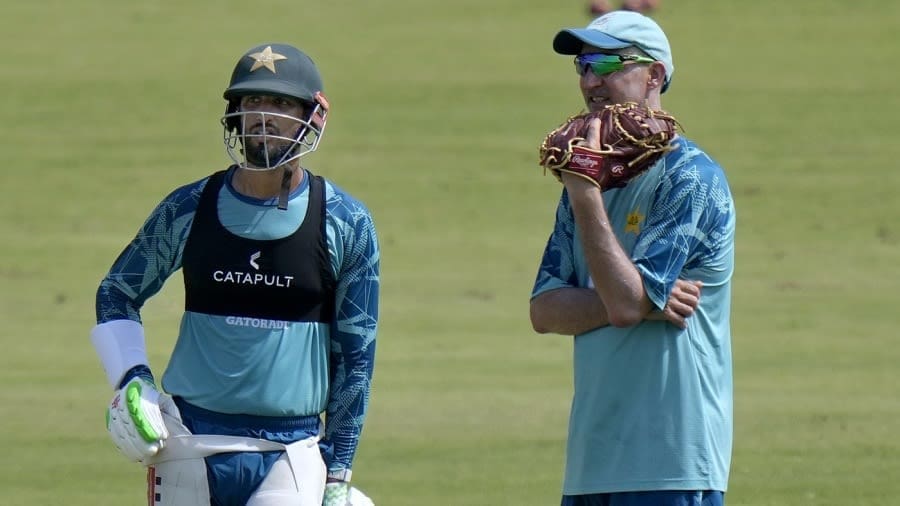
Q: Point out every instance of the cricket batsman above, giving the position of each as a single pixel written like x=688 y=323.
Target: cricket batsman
x=265 y=394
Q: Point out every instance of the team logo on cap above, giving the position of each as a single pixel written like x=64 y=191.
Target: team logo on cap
x=266 y=58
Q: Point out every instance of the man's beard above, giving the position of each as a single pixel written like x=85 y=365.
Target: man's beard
x=255 y=153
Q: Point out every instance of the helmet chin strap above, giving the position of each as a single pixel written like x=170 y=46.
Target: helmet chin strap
x=286 y=178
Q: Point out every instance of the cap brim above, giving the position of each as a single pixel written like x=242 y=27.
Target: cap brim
x=572 y=40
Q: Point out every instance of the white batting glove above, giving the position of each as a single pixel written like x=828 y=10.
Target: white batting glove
x=134 y=420
x=340 y=493
x=356 y=498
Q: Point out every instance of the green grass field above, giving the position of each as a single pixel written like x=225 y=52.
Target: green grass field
x=438 y=108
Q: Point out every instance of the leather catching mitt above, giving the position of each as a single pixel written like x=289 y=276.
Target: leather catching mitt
x=632 y=139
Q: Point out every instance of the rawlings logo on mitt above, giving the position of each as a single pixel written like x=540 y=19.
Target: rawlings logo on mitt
x=632 y=139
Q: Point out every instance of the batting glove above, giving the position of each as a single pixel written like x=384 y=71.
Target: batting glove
x=340 y=493
x=134 y=420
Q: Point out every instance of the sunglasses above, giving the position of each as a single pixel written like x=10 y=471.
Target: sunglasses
x=602 y=64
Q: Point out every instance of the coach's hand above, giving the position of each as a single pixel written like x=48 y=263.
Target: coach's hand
x=134 y=420
x=681 y=304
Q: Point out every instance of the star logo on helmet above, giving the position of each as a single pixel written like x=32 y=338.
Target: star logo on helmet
x=266 y=58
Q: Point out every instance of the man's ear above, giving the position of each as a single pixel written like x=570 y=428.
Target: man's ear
x=656 y=77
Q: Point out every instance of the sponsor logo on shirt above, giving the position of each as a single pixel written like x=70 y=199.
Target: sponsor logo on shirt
x=252 y=278
x=257 y=323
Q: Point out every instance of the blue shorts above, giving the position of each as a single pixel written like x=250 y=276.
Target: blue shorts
x=233 y=477
x=649 y=498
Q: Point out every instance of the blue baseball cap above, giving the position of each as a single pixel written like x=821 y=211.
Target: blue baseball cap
x=618 y=30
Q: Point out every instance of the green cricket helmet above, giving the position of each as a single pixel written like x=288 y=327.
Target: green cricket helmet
x=273 y=70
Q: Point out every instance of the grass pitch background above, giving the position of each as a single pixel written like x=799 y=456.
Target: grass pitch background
x=437 y=111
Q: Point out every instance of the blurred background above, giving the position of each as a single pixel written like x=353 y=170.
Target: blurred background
x=437 y=112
